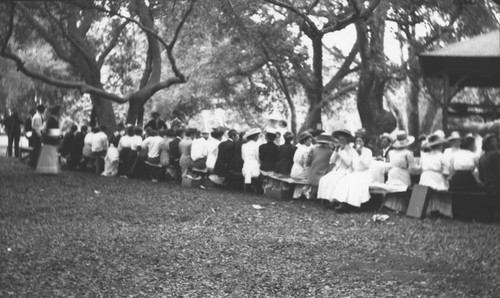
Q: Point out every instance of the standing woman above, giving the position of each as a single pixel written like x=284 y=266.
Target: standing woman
x=300 y=171
x=48 y=163
x=250 y=155
x=185 y=160
x=353 y=188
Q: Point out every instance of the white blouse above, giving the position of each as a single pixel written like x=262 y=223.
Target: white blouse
x=464 y=160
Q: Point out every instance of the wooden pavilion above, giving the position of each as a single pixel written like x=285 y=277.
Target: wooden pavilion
x=471 y=63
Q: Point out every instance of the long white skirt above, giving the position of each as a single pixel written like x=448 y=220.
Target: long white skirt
x=434 y=180
x=111 y=162
x=353 y=188
x=48 y=163
x=251 y=169
x=328 y=184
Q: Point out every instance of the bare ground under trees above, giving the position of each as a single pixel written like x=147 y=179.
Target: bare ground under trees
x=82 y=235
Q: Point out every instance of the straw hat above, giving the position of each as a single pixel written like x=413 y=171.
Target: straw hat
x=403 y=140
x=252 y=132
x=454 y=136
x=324 y=138
x=344 y=133
x=435 y=140
x=271 y=131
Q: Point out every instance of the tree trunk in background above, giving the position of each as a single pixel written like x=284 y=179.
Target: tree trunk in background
x=370 y=97
x=314 y=91
x=414 y=76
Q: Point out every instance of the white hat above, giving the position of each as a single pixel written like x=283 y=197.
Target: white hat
x=251 y=132
x=454 y=136
x=403 y=140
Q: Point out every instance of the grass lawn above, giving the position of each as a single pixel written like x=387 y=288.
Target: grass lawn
x=81 y=235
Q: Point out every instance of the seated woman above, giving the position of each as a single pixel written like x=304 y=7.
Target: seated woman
x=401 y=160
x=124 y=147
x=434 y=166
x=318 y=160
x=251 y=162
x=398 y=179
x=340 y=164
x=112 y=159
x=285 y=155
x=462 y=165
x=353 y=188
x=489 y=167
x=300 y=171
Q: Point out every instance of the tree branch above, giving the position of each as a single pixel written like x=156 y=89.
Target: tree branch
x=112 y=43
x=50 y=38
x=343 y=71
x=303 y=16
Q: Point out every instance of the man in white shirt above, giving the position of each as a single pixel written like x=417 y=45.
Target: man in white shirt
x=37 y=124
x=199 y=152
x=153 y=143
x=99 y=148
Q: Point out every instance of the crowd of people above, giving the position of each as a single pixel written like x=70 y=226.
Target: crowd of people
x=338 y=167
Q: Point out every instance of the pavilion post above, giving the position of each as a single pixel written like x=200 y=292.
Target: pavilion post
x=446 y=102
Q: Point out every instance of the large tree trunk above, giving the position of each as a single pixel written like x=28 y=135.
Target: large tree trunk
x=370 y=97
x=315 y=93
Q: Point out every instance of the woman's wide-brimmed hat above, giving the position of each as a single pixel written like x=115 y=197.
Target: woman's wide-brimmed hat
x=344 y=133
x=324 y=138
x=435 y=140
x=252 y=132
x=403 y=140
x=271 y=131
x=454 y=136
x=387 y=136
x=305 y=135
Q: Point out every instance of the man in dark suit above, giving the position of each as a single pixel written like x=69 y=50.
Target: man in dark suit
x=77 y=148
x=156 y=123
x=269 y=152
x=67 y=144
x=226 y=154
x=13 y=129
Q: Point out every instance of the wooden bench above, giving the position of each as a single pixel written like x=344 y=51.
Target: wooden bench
x=461 y=205
x=25 y=153
x=286 y=186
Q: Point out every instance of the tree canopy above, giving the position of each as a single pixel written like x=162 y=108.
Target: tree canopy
x=252 y=58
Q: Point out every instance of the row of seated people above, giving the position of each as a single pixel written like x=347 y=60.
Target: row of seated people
x=338 y=167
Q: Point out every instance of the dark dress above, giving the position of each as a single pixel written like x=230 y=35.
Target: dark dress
x=224 y=158
x=285 y=159
x=268 y=155
x=67 y=144
x=489 y=173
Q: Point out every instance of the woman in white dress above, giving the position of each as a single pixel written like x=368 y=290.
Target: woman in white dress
x=341 y=163
x=434 y=165
x=401 y=160
x=250 y=156
x=300 y=171
x=353 y=188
